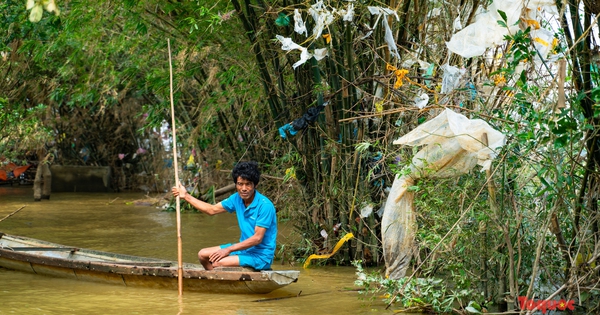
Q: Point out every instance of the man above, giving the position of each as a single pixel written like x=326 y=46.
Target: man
x=256 y=218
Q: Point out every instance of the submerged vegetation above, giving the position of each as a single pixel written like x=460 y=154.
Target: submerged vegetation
x=91 y=85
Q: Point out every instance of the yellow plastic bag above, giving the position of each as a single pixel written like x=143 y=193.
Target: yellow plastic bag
x=335 y=249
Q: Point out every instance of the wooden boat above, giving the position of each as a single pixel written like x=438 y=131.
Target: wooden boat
x=41 y=257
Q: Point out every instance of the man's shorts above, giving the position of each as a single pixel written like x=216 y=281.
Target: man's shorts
x=250 y=259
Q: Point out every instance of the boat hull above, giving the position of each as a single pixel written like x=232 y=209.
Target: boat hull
x=45 y=258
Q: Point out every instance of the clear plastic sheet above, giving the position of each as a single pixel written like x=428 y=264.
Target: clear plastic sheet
x=452 y=145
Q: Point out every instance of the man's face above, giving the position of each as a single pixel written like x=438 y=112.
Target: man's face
x=245 y=188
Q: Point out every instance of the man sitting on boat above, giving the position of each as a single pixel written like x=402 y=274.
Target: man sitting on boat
x=256 y=218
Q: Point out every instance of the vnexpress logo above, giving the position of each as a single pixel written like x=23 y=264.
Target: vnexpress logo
x=544 y=305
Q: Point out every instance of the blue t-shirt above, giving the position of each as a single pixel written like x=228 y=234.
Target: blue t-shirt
x=261 y=212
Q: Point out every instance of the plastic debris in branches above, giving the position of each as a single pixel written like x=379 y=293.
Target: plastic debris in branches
x=456 y=25
x=399 y=73
x=451 y=78
x=389 y=37
x=287 y=44
x=366 y=211
x=299 y=26
x=282 y=20
x=451 y=145
x=476 y=38
x=320 y=53
x=422 y=100
x=323 y=17
x=339 y=244
x=301 y=123
x=449 y=128
x=287 y=129
x=348 y=13
x=544 y=42
x=191 y=162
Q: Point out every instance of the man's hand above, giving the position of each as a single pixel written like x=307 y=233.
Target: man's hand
x=218 y=255
x=179 y=191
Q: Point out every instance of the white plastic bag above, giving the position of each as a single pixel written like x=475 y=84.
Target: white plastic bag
x=452 y=145
x=474 y=39
x=451 y=78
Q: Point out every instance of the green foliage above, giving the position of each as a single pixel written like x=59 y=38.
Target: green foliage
x=102 y=70
x=21 y=129
x=464 y=224
x=504 y=19
x=415 y=294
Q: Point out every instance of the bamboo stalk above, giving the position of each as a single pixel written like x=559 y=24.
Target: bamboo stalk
x=249 y=22
x=483 y=224
x=179 y=246
x=561 y=84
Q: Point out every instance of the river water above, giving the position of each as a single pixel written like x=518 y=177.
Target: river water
x=110 y=222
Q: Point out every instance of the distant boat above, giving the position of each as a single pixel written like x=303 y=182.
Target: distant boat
x=41 y=257
x=11 y=171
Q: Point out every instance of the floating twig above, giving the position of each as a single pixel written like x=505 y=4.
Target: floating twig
x=8 y=216
x=289 y=296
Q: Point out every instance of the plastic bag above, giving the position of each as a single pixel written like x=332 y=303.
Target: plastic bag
x=451 y=78
x=452 y=145
x=389 y=36
x=474 y=39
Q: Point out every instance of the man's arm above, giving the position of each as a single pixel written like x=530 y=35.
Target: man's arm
x=198 y=204
x=259 y=234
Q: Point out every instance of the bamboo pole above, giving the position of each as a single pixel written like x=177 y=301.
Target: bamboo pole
x=179 y=246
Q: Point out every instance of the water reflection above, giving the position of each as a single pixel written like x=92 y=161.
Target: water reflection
x=98 y=221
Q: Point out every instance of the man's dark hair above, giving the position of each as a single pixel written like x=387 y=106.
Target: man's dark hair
x=248 y=170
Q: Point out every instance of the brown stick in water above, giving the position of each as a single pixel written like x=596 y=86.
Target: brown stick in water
x=8 y=216
x=289 y=296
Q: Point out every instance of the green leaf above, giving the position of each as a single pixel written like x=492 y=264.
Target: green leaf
x=517 y=23
x=471 y=309
x=560 y=142
x=584 y=296
x=473 y=304
x=543 y=180
x=503 y=16
x=412 y=188
x=363 y=146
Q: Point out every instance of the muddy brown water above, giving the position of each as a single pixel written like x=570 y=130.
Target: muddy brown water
x=106 y=222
